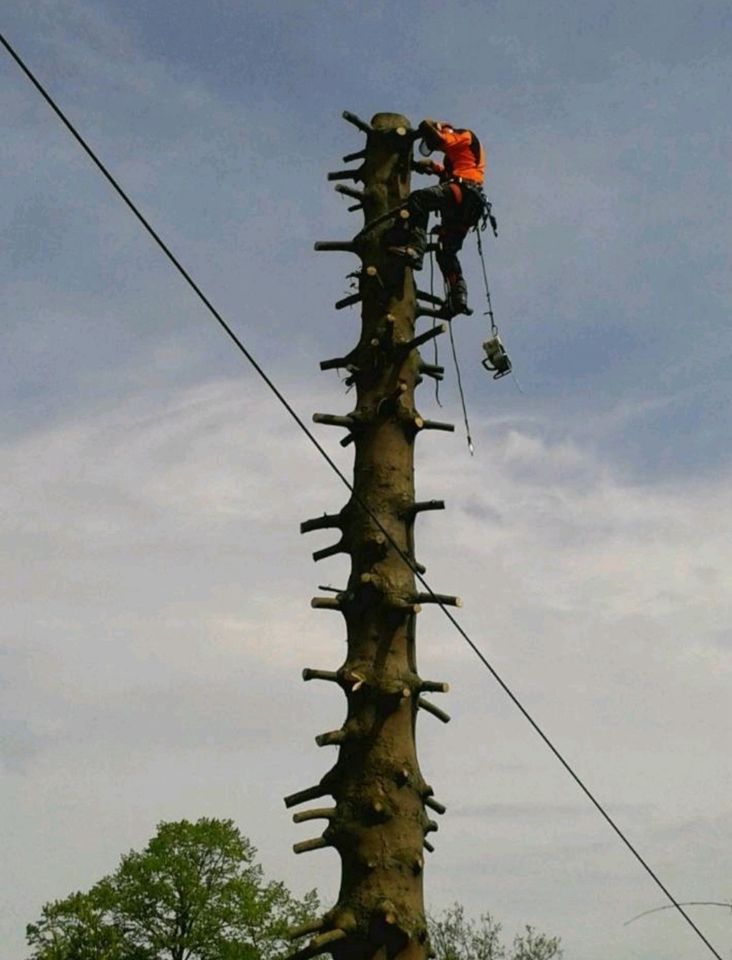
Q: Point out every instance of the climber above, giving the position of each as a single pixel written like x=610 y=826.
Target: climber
x=458 y=197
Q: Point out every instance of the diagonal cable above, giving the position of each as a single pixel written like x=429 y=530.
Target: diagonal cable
x=326 y=456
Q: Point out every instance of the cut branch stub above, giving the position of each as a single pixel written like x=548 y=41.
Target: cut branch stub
x=435 y=805
x=428 y=297
x=437 y=425
x=431 y=708
x=303 y=796
x=305 y=846
x=421 y=506
x=338 y=246
x=325 y=552
x=303 y=929
x=319 y=813
x=326 y=522
x=333 y=420
x=357 y=121
x=351 y=192
x=331 y=738
x=329 y=675
x=444 y=599
x=348 y=301
x=432 y=370
x=327 y=603
x=425 y=337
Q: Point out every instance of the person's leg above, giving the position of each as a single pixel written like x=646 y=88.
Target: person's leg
x=453 y=235
x=411 y=240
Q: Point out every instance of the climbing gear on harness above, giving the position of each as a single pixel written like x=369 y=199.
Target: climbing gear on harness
x=425 y=149
x=489 y=218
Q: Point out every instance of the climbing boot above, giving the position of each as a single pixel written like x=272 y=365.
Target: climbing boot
x=457 y=298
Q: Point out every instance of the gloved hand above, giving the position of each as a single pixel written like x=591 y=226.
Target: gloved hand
x=423 y=166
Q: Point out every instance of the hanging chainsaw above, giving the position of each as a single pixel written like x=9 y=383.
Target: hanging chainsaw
x=496 y=359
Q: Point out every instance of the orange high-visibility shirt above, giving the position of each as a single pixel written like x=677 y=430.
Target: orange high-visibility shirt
x=464 y=154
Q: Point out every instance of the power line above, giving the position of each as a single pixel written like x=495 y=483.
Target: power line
x=326 y=456
x=688 y=903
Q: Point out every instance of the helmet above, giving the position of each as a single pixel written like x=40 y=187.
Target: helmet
x=427 y=128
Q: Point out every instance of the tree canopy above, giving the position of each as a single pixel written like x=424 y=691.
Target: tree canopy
x=455 y=937
x=194 y=893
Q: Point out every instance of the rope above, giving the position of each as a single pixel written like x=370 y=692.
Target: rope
x=471 y=448
x=435 y=350
x=489 y=313
x=314 y=441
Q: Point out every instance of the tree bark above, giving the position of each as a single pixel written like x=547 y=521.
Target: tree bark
x=379 y=822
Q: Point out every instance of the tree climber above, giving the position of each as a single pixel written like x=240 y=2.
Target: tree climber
x=458 y=197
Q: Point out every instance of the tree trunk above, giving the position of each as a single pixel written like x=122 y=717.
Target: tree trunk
x=379 y=822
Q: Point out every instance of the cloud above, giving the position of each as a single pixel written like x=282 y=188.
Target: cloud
x=161 y=614
x=157 y=614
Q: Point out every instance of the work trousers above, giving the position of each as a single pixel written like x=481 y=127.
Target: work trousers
x=461 y=208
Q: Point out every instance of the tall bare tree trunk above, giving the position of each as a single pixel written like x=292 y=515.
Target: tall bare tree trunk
x=379 y=823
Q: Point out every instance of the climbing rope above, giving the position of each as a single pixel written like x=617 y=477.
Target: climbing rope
x=489 y=312
x=435 y=351
x=458 y=376
x=471 y=448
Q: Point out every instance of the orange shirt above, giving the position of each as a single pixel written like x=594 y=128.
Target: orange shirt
x=464 y=155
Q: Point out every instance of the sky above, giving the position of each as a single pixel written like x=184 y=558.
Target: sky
x=155 y=587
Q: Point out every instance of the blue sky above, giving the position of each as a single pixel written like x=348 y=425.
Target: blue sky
x=153 y=490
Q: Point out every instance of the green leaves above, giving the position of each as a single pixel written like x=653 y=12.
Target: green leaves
x=194 y=893
x=77 y=928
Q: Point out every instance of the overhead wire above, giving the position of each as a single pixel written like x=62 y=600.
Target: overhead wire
x=326 y=456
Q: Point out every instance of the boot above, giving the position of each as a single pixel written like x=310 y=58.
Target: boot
x=457 y=298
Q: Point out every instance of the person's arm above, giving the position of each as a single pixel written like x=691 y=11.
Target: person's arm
x=428 y=166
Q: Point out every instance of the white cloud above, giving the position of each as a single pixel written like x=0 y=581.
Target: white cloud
x=157 y=588
x=161 y=614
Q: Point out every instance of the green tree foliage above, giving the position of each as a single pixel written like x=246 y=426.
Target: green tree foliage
x=77 y=928
x=194 y=893
x=455 y=937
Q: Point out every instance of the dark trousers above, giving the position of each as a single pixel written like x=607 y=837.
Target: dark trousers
x=461 y=208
